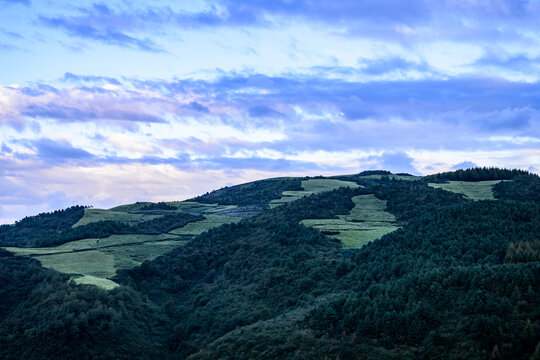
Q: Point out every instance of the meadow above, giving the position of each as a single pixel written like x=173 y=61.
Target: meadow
x=474 y=190
x=367 y=221
x=312 y=186
x=95 y=260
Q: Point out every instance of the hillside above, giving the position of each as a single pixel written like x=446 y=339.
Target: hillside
x=363 y=266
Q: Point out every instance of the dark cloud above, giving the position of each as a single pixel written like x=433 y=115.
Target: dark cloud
x=393 y=20
x=70 y=113
x=93 y=30
x=69 y=77
x=57 y=151
x=393 y=64
x=198 y=107
x=263 y=111
x=6 y=149
x=257 y=163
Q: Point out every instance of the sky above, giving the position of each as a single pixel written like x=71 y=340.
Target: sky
x=107 y=103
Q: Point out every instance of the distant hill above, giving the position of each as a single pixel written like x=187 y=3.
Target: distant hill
x=372 y=265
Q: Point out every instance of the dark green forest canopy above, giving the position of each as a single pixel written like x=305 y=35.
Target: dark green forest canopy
x=254 y=193
x=476 y=174
x=30 y=232
x=459 y=280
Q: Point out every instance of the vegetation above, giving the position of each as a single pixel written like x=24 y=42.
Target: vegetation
x=254 y=193
x=312 y=186
x=44 y=235
x=36 y=230
x=366 y=222
x=521 y=188
x=158 y=206
x=476 y=174
x=474 y=190
x=459 y=280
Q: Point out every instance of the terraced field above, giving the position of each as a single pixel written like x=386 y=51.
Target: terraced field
x=366 y=222
x=312 y=186
x=474 y=190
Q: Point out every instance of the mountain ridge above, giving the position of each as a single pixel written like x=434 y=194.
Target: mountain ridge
x=453 y=281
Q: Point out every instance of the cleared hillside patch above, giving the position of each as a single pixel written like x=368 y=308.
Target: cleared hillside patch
x=312 y=186
x=92 y=280
x=474 y=190
x=95 y=215
x=93 y=262
x=198 y=227
x=367 y=221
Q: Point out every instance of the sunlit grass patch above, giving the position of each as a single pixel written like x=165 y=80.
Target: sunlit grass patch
x=356 y=239
x=367 y=221
x=474 y=190
x=369 y=209
x=129 y=256
x=93 y=262
x=211 y=221
x=312 y=186
x=92 y=280
x=95 y=215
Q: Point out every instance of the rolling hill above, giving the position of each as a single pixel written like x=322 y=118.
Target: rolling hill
x=363 y=266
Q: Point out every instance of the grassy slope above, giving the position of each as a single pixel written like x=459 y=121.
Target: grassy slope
x=477 y=190
x=309 y=187
x=367 y=221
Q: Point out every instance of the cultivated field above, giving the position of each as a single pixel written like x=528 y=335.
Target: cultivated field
x=366 y=222
x=474 y=190
x=312 y=186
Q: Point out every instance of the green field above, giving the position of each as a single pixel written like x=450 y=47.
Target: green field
x=474 y=190
x=312 y=186
x=92 y=280
x=198 y=227
x=366 y=222
x=94 y=261
x=95 y=215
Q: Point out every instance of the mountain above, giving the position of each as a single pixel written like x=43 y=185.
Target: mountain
x=366 y=266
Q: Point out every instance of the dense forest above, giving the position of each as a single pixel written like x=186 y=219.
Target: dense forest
x=459 y=280
x=255 y=193
x=476 y=174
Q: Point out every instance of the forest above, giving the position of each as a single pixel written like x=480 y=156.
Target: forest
x=460 y=279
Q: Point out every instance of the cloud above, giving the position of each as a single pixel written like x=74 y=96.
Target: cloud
x=263 y=111
x=392 y=64
x=464 y=165
x=69 y=77
x=193 y=105
x=396 y=162
x=94 y=26
x=58 y=151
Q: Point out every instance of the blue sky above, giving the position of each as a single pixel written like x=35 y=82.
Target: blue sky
x=103 y=103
